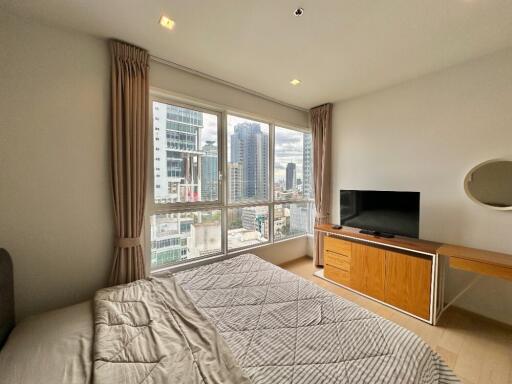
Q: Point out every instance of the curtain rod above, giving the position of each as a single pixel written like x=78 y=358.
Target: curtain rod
x=227 y=83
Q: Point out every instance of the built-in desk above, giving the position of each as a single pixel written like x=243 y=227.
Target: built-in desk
x=478 y=261
x=406 y=274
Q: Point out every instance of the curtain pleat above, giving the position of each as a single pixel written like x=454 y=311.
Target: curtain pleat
x=321 y=122
x=130 y=125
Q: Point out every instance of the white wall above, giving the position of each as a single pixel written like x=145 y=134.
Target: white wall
x=55 y=204
x=425 y=135
x=55 y=195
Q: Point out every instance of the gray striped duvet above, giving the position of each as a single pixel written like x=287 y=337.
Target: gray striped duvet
x=283 y=329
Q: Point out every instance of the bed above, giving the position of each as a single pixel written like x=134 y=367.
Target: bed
x=241 y=320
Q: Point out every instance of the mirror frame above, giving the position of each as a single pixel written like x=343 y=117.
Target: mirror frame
x=466 y=184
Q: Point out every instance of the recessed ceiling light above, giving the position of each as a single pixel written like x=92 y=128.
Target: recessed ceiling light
x=295 y=82
x=298 y=12
x=166 y=22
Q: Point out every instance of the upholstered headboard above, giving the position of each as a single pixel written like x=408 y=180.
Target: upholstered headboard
x=6 y=296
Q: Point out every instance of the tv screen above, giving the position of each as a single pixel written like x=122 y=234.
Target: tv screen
x=386 y=212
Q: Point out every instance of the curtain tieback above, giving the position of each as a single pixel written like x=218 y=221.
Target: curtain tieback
x=127 y=242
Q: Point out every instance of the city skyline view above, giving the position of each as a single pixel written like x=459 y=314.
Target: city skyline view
x=292 y=164
x=186 y=170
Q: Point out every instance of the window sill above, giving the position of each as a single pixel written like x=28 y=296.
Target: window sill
x=207 y=260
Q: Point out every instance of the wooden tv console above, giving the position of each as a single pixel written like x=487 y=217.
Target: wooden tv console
x=396 y=271
x=406 y=274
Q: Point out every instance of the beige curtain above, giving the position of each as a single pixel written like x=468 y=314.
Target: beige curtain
x=130 y=92
x=321 y=121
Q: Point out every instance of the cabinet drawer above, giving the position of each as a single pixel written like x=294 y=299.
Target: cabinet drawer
x=337 y=275
x=337 y=246
x=337 y=260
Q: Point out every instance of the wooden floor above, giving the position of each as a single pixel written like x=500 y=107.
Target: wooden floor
x=477 y=349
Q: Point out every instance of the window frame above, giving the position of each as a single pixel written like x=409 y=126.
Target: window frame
x=222 y=203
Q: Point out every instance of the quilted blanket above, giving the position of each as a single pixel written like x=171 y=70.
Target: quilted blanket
x=150 y=332
x=282 y=329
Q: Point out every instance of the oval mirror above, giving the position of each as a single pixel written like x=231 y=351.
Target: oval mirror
x=490 y=184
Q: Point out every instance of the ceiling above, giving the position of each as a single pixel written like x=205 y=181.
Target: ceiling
x=338 y=48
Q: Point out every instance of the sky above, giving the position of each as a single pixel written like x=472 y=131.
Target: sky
x=288 y=149
x=210 y=128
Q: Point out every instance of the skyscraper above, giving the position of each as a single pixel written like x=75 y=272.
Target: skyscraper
x=177 y=134
x=209 y=172
x=177 y=162
x=291 y=176
x=307 y=166
x=235 y=177
x=249 y=148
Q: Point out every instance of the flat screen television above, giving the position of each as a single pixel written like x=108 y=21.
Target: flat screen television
x=383 y=213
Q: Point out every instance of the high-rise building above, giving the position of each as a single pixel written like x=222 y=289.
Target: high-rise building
x=170 y=236
x=299 y=219
x=256 y=219
x=281 y=221
x=307 y=166
x=206 y=239
x=209 y=172
x=249 y=148
x=177 y=168
x=235 y=177
x=177 y=134
x=291 y=176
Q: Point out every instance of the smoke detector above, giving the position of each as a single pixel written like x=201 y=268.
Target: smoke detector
x=298 y=12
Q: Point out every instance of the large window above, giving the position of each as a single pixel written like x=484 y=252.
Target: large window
x=210 y=198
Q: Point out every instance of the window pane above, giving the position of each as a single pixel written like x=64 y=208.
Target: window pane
x=291 y=220
x=247 y=226
x=248 y=159
x=293 y=165
x=185 y=154
x=183 y=236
